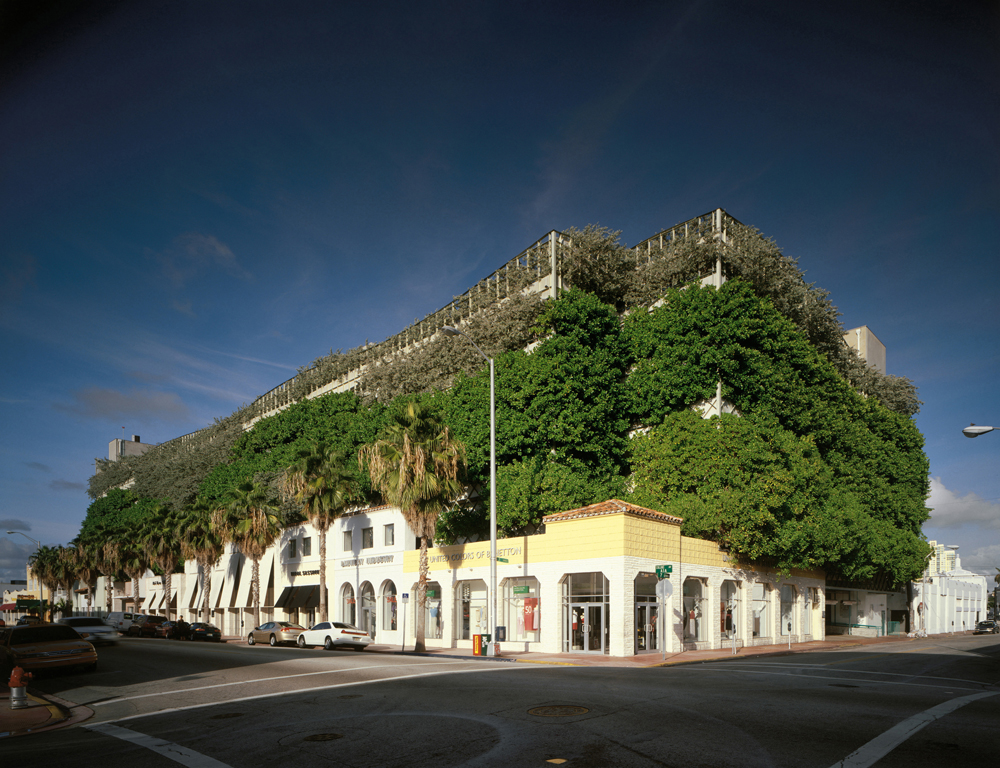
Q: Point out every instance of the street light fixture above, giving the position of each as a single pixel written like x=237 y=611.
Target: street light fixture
x=451 y=330
x=973 y=431
x=38 y=544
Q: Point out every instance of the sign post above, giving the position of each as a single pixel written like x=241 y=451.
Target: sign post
x=664 y=589
x=406 y=598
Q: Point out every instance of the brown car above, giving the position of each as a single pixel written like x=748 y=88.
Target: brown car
x=145 y=626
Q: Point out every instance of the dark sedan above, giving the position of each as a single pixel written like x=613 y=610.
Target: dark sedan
x=203 y=631
x=987 y=627
x=174 y=630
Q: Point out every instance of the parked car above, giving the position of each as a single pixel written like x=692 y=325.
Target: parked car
x=92 y=629
x=988 y=626
x=202 y=631
x=145 y=626
x=38 y=647
x=29 y=619
x=120 y=620
x=334 y=634
x=275 y=633
x=174 y=630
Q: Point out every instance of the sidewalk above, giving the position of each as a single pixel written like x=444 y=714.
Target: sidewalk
x=47 y=712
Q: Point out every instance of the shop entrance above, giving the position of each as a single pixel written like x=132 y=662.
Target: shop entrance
x=587 y=628
x=646 y=635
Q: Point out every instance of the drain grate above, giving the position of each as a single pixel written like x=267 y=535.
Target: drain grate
x=558 y=710
x=227 y=715
x=843 y=685
x=324 y=737
x=350 y=696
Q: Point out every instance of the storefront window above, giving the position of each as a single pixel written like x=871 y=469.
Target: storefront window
x=368 y=608
x=761 y=595
x=521 y=610
x=470 y=607
x=787 y=609
x=347 y=612
x=694 y=626
x=433 y=620
x=389 y=606
x=585 y=612
x=729 y=621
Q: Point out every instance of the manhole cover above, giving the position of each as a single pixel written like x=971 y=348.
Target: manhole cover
x=324 y=737
x=226 y=715
x=558 y=710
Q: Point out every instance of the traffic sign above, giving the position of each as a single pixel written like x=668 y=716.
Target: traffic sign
x=664 y=589
x=664 y=571
x=502 y=560
x=406 y=598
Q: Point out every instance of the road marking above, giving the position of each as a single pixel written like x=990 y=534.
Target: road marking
x=882 y=745
x=170 y=710
x=709 y=668
x=168 y=749
x=809 y=667
x=119 y=699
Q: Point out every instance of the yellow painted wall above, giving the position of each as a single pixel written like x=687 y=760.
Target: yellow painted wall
x=614 y=535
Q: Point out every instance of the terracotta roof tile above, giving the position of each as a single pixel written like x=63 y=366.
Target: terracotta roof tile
x=611 y=507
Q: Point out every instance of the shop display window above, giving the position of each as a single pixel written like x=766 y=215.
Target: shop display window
x=761 y=600
x=694 y=610
x=520 y=611
x=433 y=616
x=471 y=610
x=347 y=605
x=787 y=609
x=389 y=606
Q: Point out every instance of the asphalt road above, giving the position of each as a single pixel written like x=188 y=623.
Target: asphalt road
x=163 y=703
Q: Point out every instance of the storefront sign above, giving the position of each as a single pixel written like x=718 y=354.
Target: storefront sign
x=305 y=573
x=375 y=560
x=480 y=555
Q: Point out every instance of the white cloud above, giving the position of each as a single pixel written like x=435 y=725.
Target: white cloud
x=143 y=405
x=949 y=510
x=984 y=560
x=192 y=253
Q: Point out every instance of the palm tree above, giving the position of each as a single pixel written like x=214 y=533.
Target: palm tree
x=247 y=519
x=44 y=566
x=158 y=538
x=93 y=543
x=320 y=481
x=416 y=465
x=198 y=540
x=86 y=566
x=128 y=556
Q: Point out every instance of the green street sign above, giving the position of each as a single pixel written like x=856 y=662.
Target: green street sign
x=664 y=571
x=502 y=560
x=522 y=590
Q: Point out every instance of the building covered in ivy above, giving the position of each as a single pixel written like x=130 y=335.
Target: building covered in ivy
x=695 y=379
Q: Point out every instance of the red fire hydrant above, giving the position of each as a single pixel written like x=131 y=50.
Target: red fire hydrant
x=18 y=695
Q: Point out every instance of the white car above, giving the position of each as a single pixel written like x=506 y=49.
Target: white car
x=92 y=629
x=334 y=634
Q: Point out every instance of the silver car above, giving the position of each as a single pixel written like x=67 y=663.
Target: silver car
x=92 y=629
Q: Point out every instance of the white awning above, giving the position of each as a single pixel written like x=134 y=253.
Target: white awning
x=190 y=587
x=149 y=603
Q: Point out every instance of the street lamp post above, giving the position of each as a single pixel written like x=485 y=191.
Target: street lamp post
x=453 y=331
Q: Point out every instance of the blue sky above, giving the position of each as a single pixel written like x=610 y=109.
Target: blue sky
x=197 y=198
